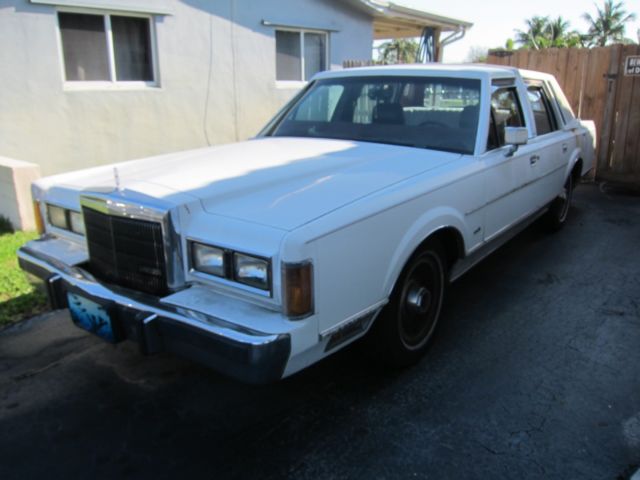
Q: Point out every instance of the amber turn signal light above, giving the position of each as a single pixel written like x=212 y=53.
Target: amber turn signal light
x=298 y=289
x=37 y=215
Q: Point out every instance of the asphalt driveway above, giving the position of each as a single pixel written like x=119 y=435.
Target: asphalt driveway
x=535 y=373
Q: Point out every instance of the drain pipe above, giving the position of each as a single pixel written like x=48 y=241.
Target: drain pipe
x=454 y=37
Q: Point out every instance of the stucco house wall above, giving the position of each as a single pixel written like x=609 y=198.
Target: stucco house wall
x=216 y=65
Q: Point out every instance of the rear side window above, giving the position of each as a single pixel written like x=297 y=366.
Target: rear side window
x=542 y=112
x=505 y=112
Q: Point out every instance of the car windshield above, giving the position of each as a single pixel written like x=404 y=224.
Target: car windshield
x=424 y=112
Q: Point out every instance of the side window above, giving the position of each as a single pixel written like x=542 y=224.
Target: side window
x=542 y=111
x=505 y=112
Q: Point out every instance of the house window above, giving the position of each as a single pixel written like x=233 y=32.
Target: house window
x=106 y=48
x=300 y=54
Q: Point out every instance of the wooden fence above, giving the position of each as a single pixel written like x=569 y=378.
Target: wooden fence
x=595 y=83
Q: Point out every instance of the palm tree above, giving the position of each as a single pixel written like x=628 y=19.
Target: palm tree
x=546 y=32
x=534 y=37
x=399 y=50
x=608 y=25
x=558 y=34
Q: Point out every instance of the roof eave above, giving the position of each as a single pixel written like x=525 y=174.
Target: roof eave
x=389 y=10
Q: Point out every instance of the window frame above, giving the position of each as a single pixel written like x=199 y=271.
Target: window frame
x=493 y=126
x=113 y=83
x=554 y=114
x=302 y=32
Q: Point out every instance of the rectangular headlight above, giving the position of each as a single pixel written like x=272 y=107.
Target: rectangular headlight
x=57 y=217
x=208 y=259
x=76 y=222
x=252 y=271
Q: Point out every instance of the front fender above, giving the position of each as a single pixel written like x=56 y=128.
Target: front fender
x=425 y=226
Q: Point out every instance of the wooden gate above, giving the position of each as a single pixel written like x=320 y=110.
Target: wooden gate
x=595 y=82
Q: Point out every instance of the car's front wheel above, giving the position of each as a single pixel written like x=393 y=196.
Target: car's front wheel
x=408 y=322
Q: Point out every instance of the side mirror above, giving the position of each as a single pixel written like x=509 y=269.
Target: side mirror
x=514 y=137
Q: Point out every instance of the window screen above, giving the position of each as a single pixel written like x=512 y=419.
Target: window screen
x=314 y=54
x=300 y=55
x=288 y=61
x=132 y=48
x=91 y=42
x=84 y=46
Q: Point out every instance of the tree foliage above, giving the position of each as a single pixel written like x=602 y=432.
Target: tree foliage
x=399 y=50
x=547 y=32
x=607 y=26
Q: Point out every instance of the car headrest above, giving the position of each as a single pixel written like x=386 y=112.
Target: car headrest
x=388 y=113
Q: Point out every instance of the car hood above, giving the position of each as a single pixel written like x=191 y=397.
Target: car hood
x=276 y=181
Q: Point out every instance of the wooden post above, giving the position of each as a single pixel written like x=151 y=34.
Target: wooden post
x=437 y=45
x=604 y=146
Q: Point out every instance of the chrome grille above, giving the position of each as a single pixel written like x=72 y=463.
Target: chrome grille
x=126 y=252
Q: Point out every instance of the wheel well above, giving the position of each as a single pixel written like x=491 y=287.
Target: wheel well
x=452 y=242
x=576 y=173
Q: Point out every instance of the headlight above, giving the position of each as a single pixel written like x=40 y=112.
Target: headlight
x=251 y=270
x=76 y=222
x=57 y=217
x=233 y=266
x=66 y=219
x=208 y=259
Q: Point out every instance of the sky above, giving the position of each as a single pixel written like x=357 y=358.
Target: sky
x=495 y=20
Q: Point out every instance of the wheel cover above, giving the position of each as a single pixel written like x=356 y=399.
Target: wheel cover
x=565 y=199
x=420 y=301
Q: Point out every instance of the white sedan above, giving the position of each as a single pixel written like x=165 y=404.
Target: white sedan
x=349 y=213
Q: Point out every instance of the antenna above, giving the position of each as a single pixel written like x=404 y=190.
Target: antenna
x=116 y=177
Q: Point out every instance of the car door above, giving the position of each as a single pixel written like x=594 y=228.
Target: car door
x=508 y=174
x=553 y=145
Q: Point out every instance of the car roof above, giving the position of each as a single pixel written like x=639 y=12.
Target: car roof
x=467 y=70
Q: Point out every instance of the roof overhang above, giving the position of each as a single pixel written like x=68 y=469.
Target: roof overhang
x=391 y=20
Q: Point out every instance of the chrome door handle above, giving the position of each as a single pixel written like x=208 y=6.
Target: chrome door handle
x=534 y=159
x=564 y=148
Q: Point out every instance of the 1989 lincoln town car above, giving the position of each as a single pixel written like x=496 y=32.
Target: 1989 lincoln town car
x=348 y=214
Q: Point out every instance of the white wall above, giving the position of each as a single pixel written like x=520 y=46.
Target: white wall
x=15 y=192
x=43 y=121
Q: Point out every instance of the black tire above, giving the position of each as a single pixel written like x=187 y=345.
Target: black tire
x=556 y=216
x=402 y=332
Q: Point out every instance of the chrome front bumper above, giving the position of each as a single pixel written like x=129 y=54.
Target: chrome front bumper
x=247 y=355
